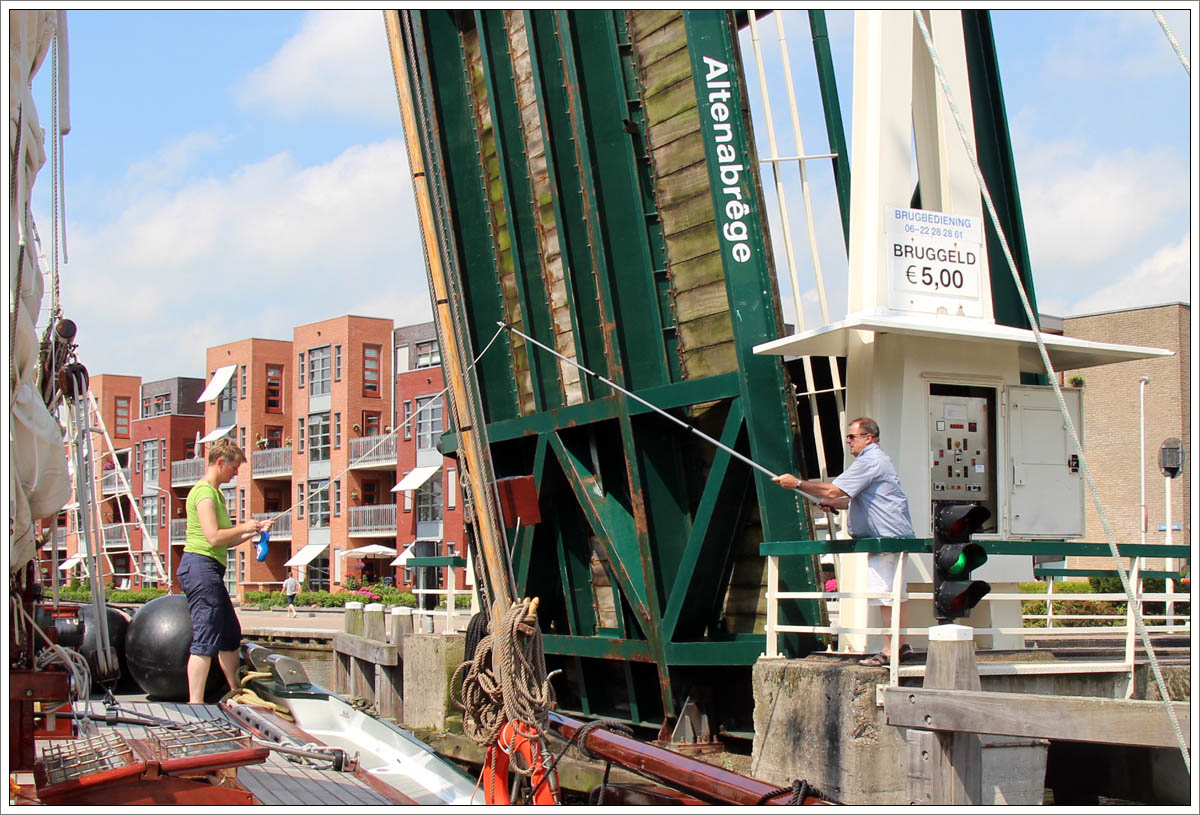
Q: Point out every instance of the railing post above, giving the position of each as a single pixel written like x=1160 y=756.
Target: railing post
x=772 y=606
x=1135 y=580
x=373 y=622
x=352 y=620
x=956 y=758
x=1050 y=601
x=894 y=633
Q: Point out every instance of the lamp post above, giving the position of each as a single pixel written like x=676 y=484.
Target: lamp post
x=1145 y=380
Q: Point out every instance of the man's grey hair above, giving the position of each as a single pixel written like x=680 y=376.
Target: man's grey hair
x=866 y=425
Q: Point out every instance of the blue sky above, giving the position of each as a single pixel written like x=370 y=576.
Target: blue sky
x=236 y=173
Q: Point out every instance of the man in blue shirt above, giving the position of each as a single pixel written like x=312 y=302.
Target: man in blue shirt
x=871 y=490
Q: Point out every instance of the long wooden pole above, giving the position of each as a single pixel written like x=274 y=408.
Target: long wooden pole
x=491 y=543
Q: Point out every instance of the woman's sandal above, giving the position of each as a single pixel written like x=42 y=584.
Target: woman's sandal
x=881 y=659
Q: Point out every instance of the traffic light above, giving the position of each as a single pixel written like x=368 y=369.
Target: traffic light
x=954 y=558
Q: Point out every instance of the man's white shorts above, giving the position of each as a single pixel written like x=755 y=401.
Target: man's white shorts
x=881 y=571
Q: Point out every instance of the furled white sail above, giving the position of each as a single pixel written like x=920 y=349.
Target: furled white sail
x=39 y=484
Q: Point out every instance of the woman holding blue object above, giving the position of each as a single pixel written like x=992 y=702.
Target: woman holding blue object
x=210 y=535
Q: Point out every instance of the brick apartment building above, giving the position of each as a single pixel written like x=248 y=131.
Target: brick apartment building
x=341 y=427
x=1112 y=418
x=167 y=428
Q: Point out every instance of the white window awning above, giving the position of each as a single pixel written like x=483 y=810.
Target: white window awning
x=216 y=434
x=217 y=384
x=416 y=478
x=409 y=553
x=307 y=555
x=70 y=562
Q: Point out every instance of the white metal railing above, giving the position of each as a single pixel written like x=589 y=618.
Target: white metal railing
x=111 y=481
x=452 y=619
x=117 y=534
x=185 y=472
x=1171 y=622
x=366 y=450
x=178 y=533
x=373 y=520
x=276 y=461
x=282 y=528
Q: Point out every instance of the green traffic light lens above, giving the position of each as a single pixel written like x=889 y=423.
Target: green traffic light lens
x=959 y=566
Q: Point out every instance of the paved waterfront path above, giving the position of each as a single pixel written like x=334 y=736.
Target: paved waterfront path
x=318 y=623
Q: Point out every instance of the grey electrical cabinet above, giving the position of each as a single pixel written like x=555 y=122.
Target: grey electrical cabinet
x=1045 y=482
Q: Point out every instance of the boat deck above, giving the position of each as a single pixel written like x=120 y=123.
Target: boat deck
x=276 y=782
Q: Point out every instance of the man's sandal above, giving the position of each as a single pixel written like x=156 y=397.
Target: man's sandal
x=881 y=660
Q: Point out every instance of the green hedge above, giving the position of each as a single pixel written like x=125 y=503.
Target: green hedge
x=77 y=592
x=1094 y=585
x=387 y=595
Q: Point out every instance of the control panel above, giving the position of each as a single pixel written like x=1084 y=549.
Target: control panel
x=962 y=464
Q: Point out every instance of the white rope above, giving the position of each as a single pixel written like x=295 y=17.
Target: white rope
x=1183 y=60
x=433 y=400
x=1033 y=323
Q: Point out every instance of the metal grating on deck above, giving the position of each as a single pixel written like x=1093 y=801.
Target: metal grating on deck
x=74 y=759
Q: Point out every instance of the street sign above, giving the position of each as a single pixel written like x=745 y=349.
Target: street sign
x=934 y=261
x=1171 y=458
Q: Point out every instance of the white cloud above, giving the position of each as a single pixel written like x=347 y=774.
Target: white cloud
x=1161 y=278
x=1119 y=44
x=337 y=62
x=269 y=247
x=170 y=164
x=1082 y=213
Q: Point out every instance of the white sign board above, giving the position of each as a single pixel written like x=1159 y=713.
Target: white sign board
x=934 y=262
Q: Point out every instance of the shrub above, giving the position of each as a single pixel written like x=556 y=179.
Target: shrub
x=1091 y=607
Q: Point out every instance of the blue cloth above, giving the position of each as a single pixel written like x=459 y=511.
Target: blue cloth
x=878 y=505
x=215 y=625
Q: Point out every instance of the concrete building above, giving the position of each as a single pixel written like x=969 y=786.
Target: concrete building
x=1112 y=409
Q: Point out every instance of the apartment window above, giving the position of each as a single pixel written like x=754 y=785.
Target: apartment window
x=274 y=389
x=272 y=499
x=243 y=391
x=145 y=406
x=371 y=370
x=428 y=354
x=121 y=407
x=407 y=421
x=137 y=458
x=318 y=504
x=451 y=488
x=241 y=566
x=150 y=460
x=371 y=422
x=149 y=569
x=300 y=436
x=274 y=436
x=318 y=371
x=300 y=368
x=337 y=498
x=429 y=421
x=242 y=503
x=429 y=500
x=230 y=506
x=370 y=491
x=337 y=363
x=300 y=500
x=150 y=512
x=162 y=511
x=318 y=437
x=243 y=438
x=189 y=448
x=227 y=398
x=337 y=431
x=162 y=404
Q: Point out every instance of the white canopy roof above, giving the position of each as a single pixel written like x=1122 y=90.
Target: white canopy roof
x=416 y=478
x=307 y=555
x=217 y=383
x=69 y=562
x=216 y=434
x=373 y=550
x=1065 y=353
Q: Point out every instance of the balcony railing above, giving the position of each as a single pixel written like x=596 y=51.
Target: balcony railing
x=281 y=530
x=272 y=463
x=186 y=472
x=376 y=520
x=178 y=530
x=117 y=535
x=372 y=452
x=111 y=482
